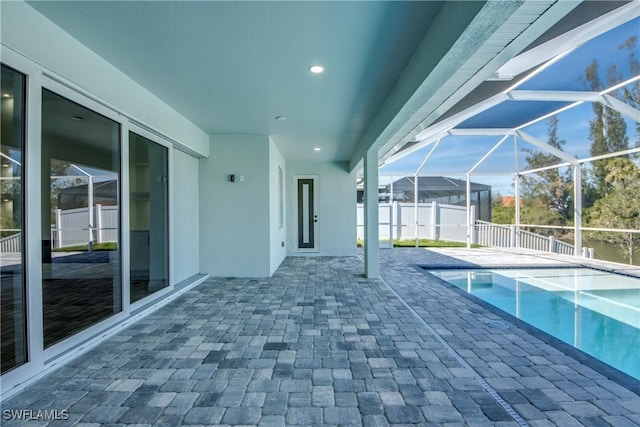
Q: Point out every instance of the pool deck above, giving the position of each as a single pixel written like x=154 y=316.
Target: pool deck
x=320 y=344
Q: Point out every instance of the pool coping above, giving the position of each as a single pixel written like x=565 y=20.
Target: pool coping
x=599 y=366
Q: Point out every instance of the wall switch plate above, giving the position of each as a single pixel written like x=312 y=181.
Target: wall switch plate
x=241 y=178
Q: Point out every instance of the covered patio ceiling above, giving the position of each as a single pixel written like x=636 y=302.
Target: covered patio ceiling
x=244 y=67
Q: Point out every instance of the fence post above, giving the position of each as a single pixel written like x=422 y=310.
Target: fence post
x=512 y=235
x=472 y=224
x=472 y=228
x=58 y=231
x=552 y=244
x=391 y=223
x=394 y=216
x=434 y=220
x=98 y=226
x=474 y=233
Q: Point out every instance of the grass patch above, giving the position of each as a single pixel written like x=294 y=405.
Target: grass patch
x=107 y=246
x=424 y=243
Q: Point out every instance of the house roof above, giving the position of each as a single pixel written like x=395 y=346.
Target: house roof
x=233 y=67
x=437 y=183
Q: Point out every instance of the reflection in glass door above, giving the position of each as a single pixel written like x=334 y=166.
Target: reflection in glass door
x=80 y=218
x=148 y=216
x=12 y=284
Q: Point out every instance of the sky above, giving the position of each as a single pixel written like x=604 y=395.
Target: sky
x=456 y=155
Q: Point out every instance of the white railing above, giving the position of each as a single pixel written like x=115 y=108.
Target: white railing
x=537 y=242
x=11 y=244
x=510 y=236
x=490 y=234
x=563 y=248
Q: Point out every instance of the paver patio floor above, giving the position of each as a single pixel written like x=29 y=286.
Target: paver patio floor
x=320 y=344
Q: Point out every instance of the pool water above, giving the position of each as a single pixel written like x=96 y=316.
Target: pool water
x=594 y=311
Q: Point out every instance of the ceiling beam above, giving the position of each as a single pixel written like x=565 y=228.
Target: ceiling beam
x=554 y=95
x=486 y=156
x=498 y=34
x=568 y=40
x=482 y=132
x=621 y=107
x=426 y=159
x=546 y=147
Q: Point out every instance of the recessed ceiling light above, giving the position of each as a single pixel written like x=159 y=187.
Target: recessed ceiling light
x=281 y=118
x=77 y=118
x=6 y=95
x=316 y=69
x=316 y=149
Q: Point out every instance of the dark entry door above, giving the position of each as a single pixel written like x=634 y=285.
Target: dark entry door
x=307 y=218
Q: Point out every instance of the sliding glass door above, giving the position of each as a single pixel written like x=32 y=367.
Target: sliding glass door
x=81 y=279
x=12 y=285
x=148 y=216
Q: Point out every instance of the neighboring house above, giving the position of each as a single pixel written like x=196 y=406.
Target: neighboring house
x=449 y=191
x=510 y=201
x=105 y=193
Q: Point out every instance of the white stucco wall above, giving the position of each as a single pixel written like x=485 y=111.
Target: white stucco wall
x=184 y=209
x=26 y=31
x=336 y=207
x=234 y=216
x=278 y=235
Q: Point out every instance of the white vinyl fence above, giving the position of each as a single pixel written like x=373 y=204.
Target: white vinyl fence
x=435 y=221
x=72 y=226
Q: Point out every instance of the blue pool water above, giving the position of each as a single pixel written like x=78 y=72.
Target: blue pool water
x=594 y=311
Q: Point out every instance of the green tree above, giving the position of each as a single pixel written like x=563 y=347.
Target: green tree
x=607 y=130
x=620 y=207
x=501 y=212
x=547 y=194
x=631 y=93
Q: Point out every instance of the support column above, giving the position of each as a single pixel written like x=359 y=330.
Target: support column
x=577 y=209
x=469 y=225
x=371 y=237
x=415 y=204
x=517 y=192
x=517 y=227
x=392 y=212
x=90 y=210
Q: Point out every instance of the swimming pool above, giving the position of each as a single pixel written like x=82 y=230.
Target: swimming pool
x=594 y=311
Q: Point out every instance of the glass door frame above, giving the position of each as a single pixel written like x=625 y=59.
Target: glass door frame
x=152 y=136
x=40 y=361
x=32 y=250
x=71 y=93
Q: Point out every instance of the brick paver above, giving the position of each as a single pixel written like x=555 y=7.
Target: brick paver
x=318 y=343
